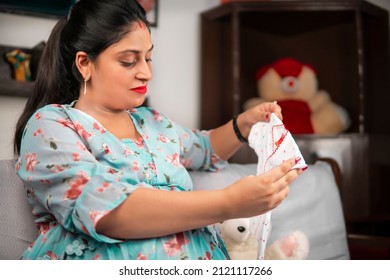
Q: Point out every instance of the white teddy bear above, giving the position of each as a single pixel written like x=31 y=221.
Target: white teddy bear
x=242 y=245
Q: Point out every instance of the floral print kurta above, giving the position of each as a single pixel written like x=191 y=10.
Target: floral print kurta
x=75 y=172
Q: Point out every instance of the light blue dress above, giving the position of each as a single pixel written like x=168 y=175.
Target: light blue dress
x=75 y=172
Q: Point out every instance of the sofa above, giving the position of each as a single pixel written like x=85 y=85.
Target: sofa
x=313 y=207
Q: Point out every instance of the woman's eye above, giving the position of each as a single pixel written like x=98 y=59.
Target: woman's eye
x=148 y=60
x=128 y=63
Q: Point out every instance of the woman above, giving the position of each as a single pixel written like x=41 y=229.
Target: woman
x=107 y=178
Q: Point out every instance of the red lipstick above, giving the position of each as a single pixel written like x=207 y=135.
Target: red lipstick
x=140 y=90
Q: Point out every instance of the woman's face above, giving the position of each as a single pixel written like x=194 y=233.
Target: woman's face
x=120 y=75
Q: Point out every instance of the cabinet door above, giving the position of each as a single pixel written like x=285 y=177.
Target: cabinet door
x=347 y=42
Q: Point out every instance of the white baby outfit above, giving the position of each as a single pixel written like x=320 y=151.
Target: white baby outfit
x=273 y=144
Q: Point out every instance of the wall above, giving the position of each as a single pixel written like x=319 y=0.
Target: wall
x=175 y=62
x=175 y=87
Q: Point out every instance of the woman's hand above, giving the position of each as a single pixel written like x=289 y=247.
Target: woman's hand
x=256 y=195
x=259 y=113
x=244 y=122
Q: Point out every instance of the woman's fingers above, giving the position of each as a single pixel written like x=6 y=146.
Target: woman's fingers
x=282 y=176
x=283 y=169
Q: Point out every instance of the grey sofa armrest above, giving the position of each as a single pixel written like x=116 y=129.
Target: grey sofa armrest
x=17 y=228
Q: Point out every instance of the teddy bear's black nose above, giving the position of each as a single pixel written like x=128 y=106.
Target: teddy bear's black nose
x=241 y=229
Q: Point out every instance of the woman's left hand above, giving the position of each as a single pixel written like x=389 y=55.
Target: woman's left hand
x=259 y=113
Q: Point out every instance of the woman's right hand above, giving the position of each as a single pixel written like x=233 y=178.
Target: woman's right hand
x=256 y=195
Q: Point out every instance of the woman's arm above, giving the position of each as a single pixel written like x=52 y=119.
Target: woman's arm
x=151 y=213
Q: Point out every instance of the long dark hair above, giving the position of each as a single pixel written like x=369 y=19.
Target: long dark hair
x=91 y=26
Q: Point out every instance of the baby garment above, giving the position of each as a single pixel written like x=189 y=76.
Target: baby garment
x=273 y=144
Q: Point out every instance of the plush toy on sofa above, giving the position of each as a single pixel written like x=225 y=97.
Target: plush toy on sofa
x=305 y=108
x=242 y=245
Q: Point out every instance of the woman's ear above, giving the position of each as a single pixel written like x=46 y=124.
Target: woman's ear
x=83 y=64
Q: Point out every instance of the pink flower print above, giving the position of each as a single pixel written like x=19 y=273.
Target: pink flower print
x=81 y=146
x=214 y=158
x=152 y=167
x=37 y=132
x=135 y=166
x=106 y=149
x=99 y=127
x=51 y=255
x=173 y=246
x=127 y=151
x=163 y=138
x=82 y=132
x=85 y=230
x=103 y=187
x=211 y=244
x=18 y=164
x=44 y=181
x=31 y=161
x=43 y=228
x=141 y=256
x=186 y=162
x=207 y=256
x=76 y=185
x=95 y=216
x=111 y=171
x=97 y=257
x=38 y=116
x=76 y=156
x=55 y=168
x=139 y=142
x=66 y=123
x=173 y=159
x=77 y=127
x=157 y=116
x=185 y=135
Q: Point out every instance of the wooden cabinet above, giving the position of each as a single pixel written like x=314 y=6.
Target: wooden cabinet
x=348 y=44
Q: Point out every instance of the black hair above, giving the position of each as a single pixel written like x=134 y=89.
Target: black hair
x=91 y=26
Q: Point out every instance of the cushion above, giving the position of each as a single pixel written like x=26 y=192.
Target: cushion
x=17 y=229
x=20 y=62
x=312 y=206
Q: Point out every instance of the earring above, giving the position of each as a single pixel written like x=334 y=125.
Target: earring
x=85 y=84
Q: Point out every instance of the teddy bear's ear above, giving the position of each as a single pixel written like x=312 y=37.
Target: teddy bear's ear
x=262 y=70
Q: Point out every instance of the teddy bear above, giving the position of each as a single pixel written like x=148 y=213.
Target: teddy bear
x=242 y=245
x=294 y=86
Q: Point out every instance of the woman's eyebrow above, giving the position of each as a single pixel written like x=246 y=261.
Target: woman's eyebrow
x=136 y=51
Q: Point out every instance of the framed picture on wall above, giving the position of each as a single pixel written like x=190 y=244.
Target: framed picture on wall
x=39 y=8
x=151 y=9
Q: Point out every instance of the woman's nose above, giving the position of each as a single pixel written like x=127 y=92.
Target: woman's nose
x=144 y=71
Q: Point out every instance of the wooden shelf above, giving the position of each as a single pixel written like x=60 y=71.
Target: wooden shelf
x=369 y=247
x=347 y=42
